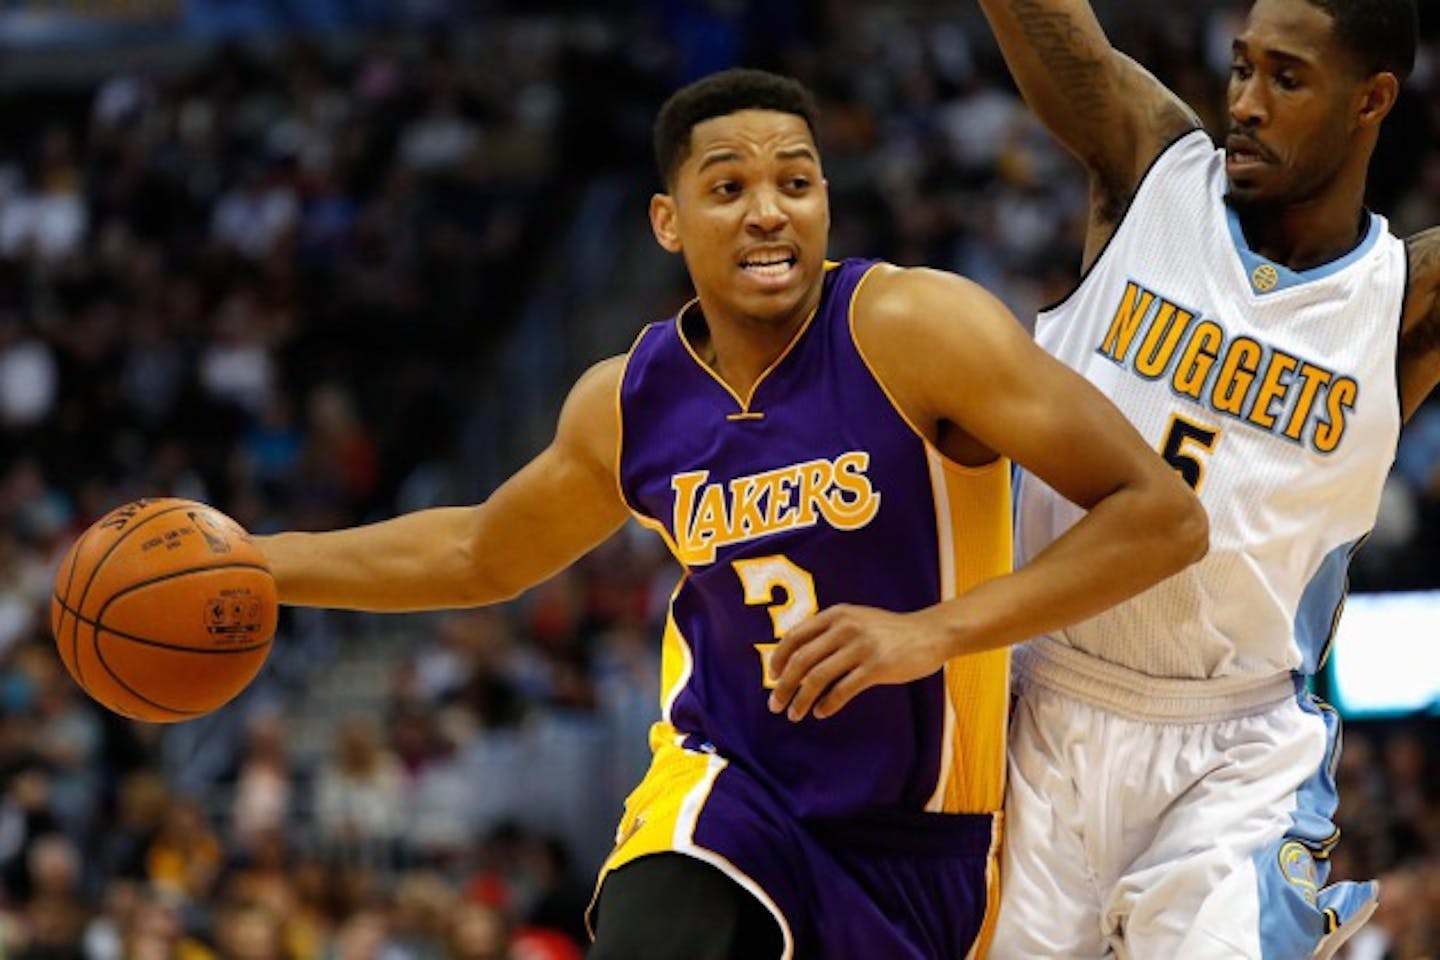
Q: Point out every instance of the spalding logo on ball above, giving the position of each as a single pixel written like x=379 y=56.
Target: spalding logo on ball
x=163 y=610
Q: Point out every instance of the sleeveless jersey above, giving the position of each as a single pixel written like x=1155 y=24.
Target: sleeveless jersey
x=813 y=491
x=1272 y=391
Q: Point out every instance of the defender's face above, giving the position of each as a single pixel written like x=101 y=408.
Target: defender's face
x=750 y=212
x=1290 y=97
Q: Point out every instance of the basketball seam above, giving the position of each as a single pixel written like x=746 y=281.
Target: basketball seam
x=97 y=624
x=70 y=582
x=100 y=655
x=94 y=572
x=100 y=625
x=146 y=640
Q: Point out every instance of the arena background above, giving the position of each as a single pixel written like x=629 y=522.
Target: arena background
x=320 y=262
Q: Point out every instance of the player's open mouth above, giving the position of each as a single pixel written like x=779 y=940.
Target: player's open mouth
x=1244 y=152
x=768 y=264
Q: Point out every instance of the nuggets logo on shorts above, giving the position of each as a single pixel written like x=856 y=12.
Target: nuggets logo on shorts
x=1297 y=865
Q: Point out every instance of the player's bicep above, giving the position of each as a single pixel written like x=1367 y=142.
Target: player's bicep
x=1019 y=401
x=1122 y=153
x=565 y=501
x=1060 y=428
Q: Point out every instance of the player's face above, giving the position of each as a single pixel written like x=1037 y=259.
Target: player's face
x=1291 y=104
x=750 y=212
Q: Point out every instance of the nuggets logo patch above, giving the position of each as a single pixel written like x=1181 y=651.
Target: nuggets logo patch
x=1264 y=277
x=1298 y=867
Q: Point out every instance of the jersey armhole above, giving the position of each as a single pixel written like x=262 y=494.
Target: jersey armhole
x=1139 y=188
x=620 y=418
x=1399 y=342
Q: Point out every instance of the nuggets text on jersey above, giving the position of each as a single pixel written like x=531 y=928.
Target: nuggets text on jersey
x=1259 y=384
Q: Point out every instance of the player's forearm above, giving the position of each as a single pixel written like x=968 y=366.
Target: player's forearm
x=420 y=561
x=1061 y=61
x=1127 y=543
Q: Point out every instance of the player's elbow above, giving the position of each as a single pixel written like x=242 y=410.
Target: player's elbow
x=1186 y=525
x=479 y=576
x=484 y=581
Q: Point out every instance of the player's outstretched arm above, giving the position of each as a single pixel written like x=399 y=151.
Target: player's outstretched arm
x=556 y=508
x=951 y=354
x=1420 y=328
x=1104 y=107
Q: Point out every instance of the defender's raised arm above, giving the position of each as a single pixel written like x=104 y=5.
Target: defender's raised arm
x=1104 y=107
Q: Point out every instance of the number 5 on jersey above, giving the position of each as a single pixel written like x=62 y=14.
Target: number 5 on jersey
x=1183 y=442
x=760 y=577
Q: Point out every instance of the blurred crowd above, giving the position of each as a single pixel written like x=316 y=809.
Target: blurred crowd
x=281 y=279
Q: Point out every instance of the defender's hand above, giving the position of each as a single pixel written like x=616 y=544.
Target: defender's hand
x=828 y=659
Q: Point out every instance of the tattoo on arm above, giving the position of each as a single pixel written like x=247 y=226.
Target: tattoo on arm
x=1060 y=44
x=1423 y=335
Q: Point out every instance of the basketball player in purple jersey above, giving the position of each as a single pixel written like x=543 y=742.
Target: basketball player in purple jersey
x=824 y=447
x=1171 y=790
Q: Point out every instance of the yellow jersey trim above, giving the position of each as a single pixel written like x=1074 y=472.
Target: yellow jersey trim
x=661 y=814
x=620 y=422
x=744 y=402
x=894 y=404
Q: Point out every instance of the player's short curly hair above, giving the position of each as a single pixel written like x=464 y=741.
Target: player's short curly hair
x=717 y=95
x=1381 y=34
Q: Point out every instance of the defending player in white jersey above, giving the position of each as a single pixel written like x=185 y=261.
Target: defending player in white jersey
x=1170 y=780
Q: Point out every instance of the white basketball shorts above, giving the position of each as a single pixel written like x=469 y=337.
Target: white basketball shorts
x=1168 y=820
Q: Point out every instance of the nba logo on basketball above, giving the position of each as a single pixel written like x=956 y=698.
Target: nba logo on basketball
x=210 y=530
x=232 y=615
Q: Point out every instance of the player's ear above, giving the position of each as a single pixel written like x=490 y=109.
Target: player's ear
x=1377 y=98
x=662 y=222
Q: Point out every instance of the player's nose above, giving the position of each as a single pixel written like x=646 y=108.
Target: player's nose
x=765 y=215
x=1247 y=106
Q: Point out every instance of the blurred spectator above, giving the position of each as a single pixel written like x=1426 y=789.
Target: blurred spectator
x=359 y=795
x=29 y=378
x=249 y=931
x=184 y=859
x=264 y=785
x=478 y=932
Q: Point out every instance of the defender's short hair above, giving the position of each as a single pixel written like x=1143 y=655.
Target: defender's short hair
x=718 y=95
x=1380 y=34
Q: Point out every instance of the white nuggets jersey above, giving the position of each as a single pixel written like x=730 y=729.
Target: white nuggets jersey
x=1272 y=391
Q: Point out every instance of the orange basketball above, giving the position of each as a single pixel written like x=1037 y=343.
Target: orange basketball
x=163 y=610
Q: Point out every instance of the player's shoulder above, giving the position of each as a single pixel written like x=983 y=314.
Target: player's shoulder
x=900 y=299
x=602 y=377
x=1422 y=256
x=920 y=328
x=1423 y=251
x=591 y=415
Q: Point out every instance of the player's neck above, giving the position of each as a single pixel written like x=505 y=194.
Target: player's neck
x=1309 y=233
x=1293 y=237
x=741 y=349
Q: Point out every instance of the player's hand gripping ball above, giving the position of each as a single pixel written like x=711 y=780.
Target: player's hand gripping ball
x=163 y=610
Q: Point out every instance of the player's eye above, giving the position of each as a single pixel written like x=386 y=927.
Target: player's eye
x=726 y=188
x=1286 y=81
x=797 y=183
x=1241 y=70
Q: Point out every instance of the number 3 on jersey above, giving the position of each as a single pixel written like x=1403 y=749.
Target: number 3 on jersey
x=1180 y=450
x=760 y=577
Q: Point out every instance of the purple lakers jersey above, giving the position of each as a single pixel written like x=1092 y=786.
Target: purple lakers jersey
x=812 y=491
